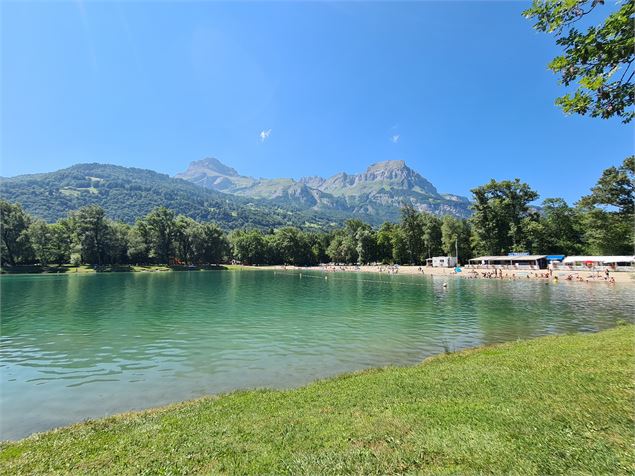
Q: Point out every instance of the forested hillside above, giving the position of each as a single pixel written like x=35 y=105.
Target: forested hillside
x=129 y=193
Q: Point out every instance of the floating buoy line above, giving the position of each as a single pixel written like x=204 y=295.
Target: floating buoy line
x=376 y=281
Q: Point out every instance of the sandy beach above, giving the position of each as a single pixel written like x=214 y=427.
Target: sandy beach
x=569 y=276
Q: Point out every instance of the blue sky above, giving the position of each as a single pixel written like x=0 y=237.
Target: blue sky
x=459 y=90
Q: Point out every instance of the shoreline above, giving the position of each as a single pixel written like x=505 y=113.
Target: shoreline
x=69 y=270
x=621 y=277
x=352 y=401
x=563 y=276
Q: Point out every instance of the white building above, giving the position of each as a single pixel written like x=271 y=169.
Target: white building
x=625 y=263
x=441 y=262
x=524 y=261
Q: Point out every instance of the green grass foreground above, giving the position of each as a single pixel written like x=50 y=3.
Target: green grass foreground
x=545 y=406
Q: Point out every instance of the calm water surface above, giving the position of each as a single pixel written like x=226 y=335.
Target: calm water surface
x=74 y=347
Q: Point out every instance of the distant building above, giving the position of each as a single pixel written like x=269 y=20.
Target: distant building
x=441 y=262
x=555 y=258
x=626 y=263
x=513 y=262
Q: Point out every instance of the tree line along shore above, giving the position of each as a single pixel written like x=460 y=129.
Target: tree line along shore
x=503 y=221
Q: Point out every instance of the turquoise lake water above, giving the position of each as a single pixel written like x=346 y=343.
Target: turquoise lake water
x=84 y=346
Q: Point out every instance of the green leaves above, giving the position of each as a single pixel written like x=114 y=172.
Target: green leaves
x=615 y=188
x=598 y=60
x=609 y=211
x=15 y=246
x=501 y=210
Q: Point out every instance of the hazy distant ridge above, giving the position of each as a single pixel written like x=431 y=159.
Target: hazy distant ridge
x=379 y=191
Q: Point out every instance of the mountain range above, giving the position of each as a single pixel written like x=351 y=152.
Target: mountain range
x=210 y=190
x=128 y=193
x=377 y=193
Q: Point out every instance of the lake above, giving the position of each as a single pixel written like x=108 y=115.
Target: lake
x=84 y=346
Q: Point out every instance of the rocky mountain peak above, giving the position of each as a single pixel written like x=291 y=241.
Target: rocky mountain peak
x=210 y=166
x=379 y=190
x=388 y=165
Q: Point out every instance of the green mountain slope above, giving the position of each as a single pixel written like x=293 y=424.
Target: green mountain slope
x=129 y=193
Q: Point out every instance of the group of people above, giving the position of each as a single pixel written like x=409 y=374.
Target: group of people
x=492 y=273
x=498 y=274
x=495 y=274
x=592 y=277
x=394 y=269
x=333 y=268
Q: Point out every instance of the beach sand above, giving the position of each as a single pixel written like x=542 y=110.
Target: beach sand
x=621 y=277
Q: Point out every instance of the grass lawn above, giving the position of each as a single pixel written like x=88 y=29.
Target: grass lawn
x=545 y=406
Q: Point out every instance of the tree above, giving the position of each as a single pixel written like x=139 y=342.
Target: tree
x=161 y=226
x=500 y=216
x=291 y=247
x=40 y=238
x=366 y=245
x=431 y=226
x=557 y=231
x=412 y=228
x=385 y=242
x=209 y=244
x=319 y=243
x=139 y=243
x=61 y=234
x=185 y=233
x=455 y=231
x=343 y=248
x=400 y=251
x=91 y=231
x=51 y=243
x=607 y=213
x=14 y=224
x=606 y=234
x=249 y=247
x=598 y=59
x=334 y=250
x=615 y=188
x=118 y=235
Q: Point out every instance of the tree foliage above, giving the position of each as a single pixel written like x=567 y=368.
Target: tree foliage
x=162 y=232
x=559 y=231
x=14 y=225
x=456 y=233
x=615 y=188
x=501 y=210
x=92 y=234
x=608 y=213
x=597 y=60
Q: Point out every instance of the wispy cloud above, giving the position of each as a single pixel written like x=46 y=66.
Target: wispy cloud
x=395 y=138
x=264 y=135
